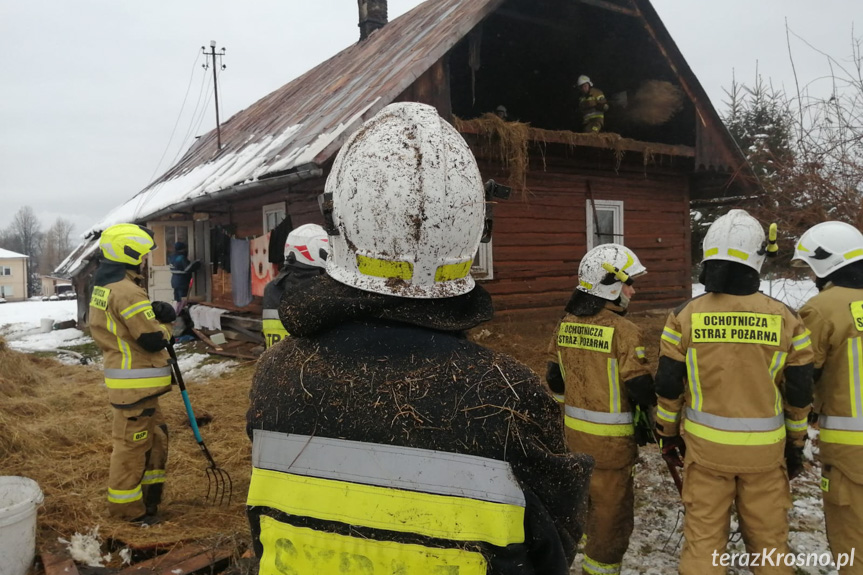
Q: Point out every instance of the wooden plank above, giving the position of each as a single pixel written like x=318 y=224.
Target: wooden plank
x=166 y=560
x=206 y=560
x=203 y=337
x=58 y=564
x=605 y=5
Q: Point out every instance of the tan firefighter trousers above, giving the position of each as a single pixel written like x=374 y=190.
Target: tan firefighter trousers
x=763 y=500
x=137 y=471
x=609 y=520
x=843 y=513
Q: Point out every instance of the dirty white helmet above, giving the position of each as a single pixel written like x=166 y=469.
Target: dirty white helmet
x=737 y=237
x=408 y=206
x=308 y=244
x=827 y=247
x=605 y=268
x=583 y=80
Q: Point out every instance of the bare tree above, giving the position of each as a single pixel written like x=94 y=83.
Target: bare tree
x=56 y=245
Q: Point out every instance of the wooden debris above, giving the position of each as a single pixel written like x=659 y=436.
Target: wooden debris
x=203 y=337
x=58 y=564
x=182 y=561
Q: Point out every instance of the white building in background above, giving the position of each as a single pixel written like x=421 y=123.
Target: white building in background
x=13 y=275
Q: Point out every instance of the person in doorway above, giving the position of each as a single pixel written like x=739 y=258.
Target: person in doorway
x=181 y=276
x=601 y=376
x=834 y=252
x=306 y=250
x=383 y=439
x=130 y=331
x=592 y=105
x=736 y=366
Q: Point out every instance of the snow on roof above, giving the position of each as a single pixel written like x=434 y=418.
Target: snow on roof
x=10 y=255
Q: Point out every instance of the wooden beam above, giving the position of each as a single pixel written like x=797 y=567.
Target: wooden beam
x=605 y=5
x=58 y=565
x=507 y=13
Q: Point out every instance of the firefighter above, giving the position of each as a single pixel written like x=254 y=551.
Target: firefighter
x=383 y=440
x=129 y=331
x=834 y=251
x=601 y=376
x=305 y=256
x=736 y=365
x=180 y=274
x=592 y=105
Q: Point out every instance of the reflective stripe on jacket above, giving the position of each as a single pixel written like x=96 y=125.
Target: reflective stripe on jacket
x=593 y=104
x=422 y=492
x=273 y=329
x=735 y=349
x=835 y=318
x=597 y=354
x=120 y=312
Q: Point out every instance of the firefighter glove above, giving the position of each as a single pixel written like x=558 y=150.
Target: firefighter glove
x=793 y=460
x=673 y=449
x=164 y=312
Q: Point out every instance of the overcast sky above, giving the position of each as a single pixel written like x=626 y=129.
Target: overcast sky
x=91 y=90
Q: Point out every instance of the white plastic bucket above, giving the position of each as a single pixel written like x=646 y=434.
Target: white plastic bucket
x=47 y=324
x=19 y=497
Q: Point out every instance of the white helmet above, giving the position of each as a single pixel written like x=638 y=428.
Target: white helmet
x=738 y=237
x=605 y=268
x=827 y=247
x=408 y=206
x=583 y=80
x=308 y=244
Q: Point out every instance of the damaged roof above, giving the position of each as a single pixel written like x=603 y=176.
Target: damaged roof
x=288 y=134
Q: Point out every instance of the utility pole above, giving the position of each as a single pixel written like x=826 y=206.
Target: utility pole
x=206 y=65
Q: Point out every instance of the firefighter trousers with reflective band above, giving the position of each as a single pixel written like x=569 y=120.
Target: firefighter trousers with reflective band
x=843 y=514
x=763 y=500
x=137 y=472
x=609 y=521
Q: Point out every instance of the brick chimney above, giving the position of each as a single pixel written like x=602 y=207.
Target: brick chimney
x=373 y=15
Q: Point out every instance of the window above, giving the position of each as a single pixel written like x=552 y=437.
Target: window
x=4 y=271
x=274 y=214
x=6 y=290
x=604 y=222
x=174 y=234
x=483 y=264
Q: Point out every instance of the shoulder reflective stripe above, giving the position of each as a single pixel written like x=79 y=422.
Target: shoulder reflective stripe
x=855 y=350
x=136 y=308
x=841 y=437
x=671 y=336
x=304 y=551
x=734 y=437
x=440 y=516
x=665 y=415
x=756 y=424
x=840 y=423
x=802 y=341
x=796 y=424
x=153 y=476
x=600 y=429
x=125 y=496
x=694 y=381
x=613 y=386
x=138 y=373
x=585 y=336
x=594 y=567
x=639 y=352
x=558 y=397
x=598 y=416
x=270 y=314
x=393 y=466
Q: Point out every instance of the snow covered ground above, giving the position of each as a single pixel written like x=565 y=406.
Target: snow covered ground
x=793 y=292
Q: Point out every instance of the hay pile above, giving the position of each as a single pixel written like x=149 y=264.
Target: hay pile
x=55 y=427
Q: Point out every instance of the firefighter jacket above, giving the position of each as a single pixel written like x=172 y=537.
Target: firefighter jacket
x=385 y=442
x=592 y=105
x=124 y=326
x=291 y=274
x=835 y=318
x=603 y=369
x=737 y=370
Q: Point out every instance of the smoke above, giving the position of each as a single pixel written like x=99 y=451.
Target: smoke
x=654 y=103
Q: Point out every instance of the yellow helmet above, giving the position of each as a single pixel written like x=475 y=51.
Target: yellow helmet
x=126 y=243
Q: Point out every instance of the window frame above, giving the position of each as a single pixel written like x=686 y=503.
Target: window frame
x=276 y=208
x=482 y=268
x=616 y=207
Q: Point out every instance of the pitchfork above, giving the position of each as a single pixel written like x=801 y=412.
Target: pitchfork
x=218 y=481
